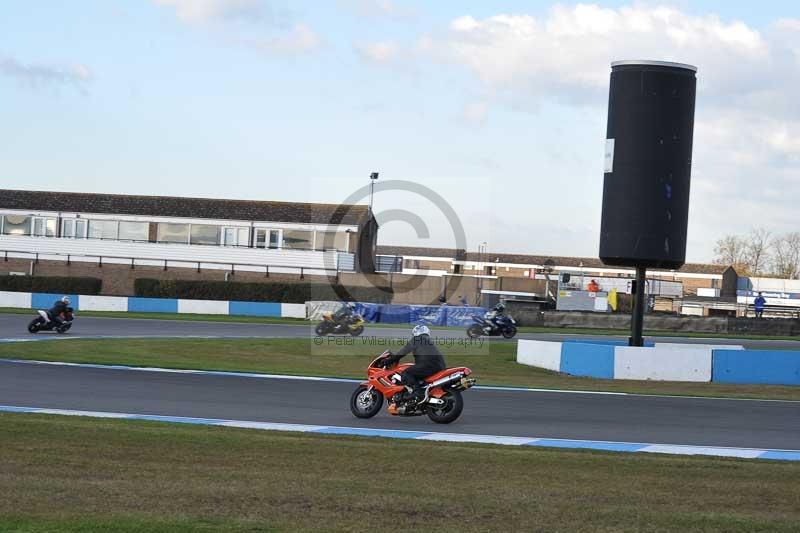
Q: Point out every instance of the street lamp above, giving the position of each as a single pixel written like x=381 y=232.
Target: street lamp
x=372 y=178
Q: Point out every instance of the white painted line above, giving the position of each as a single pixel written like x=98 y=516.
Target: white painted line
x=703 y=450
x=484 y=439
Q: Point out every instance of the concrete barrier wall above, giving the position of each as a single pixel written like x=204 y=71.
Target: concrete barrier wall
x=15 y=299
x=203 y=307
x=663 y=362
x=778 y=367
x=539 y=353
x=104 y=303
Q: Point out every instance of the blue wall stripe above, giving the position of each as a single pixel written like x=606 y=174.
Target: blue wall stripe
x=45 y=300
x=254 y=309
x=590 y=360
x=775 y=367
x=152 y=305
x=590 y=445
x=781 y=456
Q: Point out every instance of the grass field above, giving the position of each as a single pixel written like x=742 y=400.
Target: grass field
x=493 y=362
x=78 y=474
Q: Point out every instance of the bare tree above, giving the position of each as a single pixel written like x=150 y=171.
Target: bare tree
x=786 y=256
x=731 y=250
x=757 y=251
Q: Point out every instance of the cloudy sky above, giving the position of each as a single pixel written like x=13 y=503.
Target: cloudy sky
x=499 y=107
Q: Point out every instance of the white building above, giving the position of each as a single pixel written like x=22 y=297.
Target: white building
x=211 y=233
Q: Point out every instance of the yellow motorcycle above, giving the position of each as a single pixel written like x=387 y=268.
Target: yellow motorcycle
x=354 y=326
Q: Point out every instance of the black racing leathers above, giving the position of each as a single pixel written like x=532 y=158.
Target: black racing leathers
x=428 y=359
x=55 y=312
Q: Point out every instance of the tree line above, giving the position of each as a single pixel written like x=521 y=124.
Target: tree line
x=760 y=253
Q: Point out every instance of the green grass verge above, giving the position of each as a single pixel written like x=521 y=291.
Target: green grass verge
x=493 y=362
x=79 y=474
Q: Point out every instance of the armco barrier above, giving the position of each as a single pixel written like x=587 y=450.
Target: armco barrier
x=779 y=367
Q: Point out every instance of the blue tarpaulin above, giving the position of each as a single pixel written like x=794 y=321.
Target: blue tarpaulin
x=432 y=315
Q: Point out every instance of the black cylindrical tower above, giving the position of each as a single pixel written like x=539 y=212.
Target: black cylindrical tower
x=648 y=164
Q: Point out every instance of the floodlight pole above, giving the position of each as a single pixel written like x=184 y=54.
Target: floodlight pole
x=372 y=178
x=637 y=316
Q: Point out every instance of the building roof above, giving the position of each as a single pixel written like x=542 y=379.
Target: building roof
x=524 y=259
x=171 y=206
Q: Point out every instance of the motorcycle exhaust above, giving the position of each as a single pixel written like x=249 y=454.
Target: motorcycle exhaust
x=445 y=380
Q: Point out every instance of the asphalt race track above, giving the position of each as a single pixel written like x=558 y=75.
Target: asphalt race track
x=13 y=326
x=663 y=420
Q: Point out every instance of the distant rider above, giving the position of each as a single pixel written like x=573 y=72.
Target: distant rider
x=345 y=313
x=494 y=314
x=428 y=360
x=59 y=307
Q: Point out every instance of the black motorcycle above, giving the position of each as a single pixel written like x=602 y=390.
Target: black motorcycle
x=43 y=322
x=506 y=326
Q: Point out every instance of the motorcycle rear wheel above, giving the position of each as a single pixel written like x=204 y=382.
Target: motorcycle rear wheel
x=474 y=331
x=365 y=403
x=509 y=332
x=454 y=404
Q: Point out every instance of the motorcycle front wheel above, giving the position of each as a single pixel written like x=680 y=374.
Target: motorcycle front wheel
x=365 y=403
x=451 y=410
x=474 y=331
x=321 y=329
x=509 y=332
x=355 y=332
x=33 y=327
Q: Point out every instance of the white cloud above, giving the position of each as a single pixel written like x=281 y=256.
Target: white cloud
x=200 y=11
x=379 y=53
x=39 y=74
x=299 y=40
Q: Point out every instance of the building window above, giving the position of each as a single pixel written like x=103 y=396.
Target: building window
x=72 y=228
x=205 y=234
x=274 y=236
x=103 y=229
x=298 y=239
x=16 y=225
x=44 y=227
x=134 y=231
x=235 y=237
x=175 y=233
x=412 y=263
x=332 y=240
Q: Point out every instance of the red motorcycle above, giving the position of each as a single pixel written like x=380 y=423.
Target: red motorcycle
x=442 y=400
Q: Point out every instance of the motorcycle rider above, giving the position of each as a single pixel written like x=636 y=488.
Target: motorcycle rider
x=345 y=314
x=59 y=307
x=494 y=314
x=428 y=359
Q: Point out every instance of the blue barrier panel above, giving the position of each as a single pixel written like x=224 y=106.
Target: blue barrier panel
x=462 y=316
x=756 y=366
x=394 y=314
x=45 y=300
x=591 y=360
x=153 y=305
x=254 y=308
x=430 y=315
x=369 y=312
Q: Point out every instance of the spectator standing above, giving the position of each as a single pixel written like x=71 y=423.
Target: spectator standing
x=759 y=304
x=593 y=286
x=463 y=301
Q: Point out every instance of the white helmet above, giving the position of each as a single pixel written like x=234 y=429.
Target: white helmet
x=65 y=300
x=421 y=329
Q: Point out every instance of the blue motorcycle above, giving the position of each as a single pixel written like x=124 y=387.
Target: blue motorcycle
x=506 y=326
